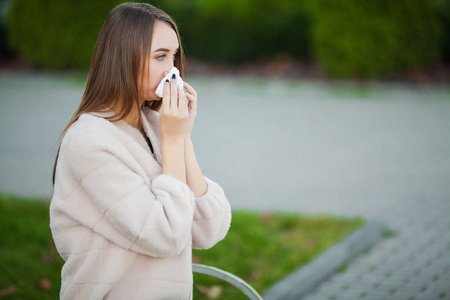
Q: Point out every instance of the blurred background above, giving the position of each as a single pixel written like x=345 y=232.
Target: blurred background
x=339 y=107
x=322 y=100
x=347 y=39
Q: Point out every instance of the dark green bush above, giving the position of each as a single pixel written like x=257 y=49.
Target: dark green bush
x=444 y=13
x=4 y=50
x=240 y=30
x=347 y=37
x=56 y=33
x=374 y=38
x=62 y=33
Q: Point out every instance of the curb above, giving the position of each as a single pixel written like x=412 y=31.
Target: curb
x=305 y=279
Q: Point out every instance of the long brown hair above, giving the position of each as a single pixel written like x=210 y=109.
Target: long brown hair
x=121 y=49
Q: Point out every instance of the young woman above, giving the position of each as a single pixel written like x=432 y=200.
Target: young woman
x=130 y=201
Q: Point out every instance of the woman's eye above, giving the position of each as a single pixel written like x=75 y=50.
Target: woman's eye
x=161 y=57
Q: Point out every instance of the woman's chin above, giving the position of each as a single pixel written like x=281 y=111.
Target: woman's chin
x=154 y=98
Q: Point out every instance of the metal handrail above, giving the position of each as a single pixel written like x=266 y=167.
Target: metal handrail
x=237 y=282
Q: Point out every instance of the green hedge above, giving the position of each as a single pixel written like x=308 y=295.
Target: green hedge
x=56 y=33
x=4 y=50
x=347 y=37
x=240 y=30
x=444 y=13
x=62 y=33
x=375 y=38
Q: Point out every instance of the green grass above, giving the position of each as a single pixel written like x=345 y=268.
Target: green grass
x=261 y=248
x=25 y=250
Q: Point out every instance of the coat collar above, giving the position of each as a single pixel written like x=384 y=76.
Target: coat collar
x=150 y=123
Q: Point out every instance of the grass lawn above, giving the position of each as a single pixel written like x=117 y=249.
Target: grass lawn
x=261 y=248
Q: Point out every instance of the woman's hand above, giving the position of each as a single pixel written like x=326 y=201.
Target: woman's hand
x=173 y=120
x=191 y=95
x=173 y=115
x=194 y=176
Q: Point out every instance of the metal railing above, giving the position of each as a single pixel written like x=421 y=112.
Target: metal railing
x=237 y=282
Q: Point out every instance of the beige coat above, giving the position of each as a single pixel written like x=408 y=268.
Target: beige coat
x=125 y=230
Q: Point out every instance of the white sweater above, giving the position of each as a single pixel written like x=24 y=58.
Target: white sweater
x=124 y=229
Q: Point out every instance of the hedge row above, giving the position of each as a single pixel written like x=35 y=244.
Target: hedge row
x=347 y=37
x=372 y=38
x=56 y=33
x=240 y=30
x=444 y=13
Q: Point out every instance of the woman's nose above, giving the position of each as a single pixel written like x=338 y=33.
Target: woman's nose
x=168 y=68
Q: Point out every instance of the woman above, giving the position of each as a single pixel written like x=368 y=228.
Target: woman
x=130 y=201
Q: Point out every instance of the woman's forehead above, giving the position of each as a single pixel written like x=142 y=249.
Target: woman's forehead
x=164 y=37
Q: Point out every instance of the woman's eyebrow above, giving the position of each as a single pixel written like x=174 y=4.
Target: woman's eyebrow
x=164 y=50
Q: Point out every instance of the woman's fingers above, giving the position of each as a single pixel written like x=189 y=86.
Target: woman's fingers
x=166 y=96
x=173 y=93
x=182 y=100
x=173 y=121
x=190 y=89
x=191 y=93
x=192 y=102
x=191 y=97
x=174 y=98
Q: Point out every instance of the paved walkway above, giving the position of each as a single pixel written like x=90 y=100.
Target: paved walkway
x=380 y=151
x=413 y=264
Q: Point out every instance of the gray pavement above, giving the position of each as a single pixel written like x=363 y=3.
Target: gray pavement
x=380 y=151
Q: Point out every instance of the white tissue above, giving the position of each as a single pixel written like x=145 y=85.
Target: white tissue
x=160 y=89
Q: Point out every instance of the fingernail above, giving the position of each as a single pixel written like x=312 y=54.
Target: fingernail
x=167 y=80
x=174 y=76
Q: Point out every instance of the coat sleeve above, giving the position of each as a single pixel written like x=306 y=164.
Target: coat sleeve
x=212 y=217
x=153 y=218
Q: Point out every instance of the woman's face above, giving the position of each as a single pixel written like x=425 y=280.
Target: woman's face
x=161 y=60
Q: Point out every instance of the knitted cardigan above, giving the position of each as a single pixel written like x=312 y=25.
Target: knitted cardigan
x=124 y=229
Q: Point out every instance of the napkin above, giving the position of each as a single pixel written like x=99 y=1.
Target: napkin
x=160 y=89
